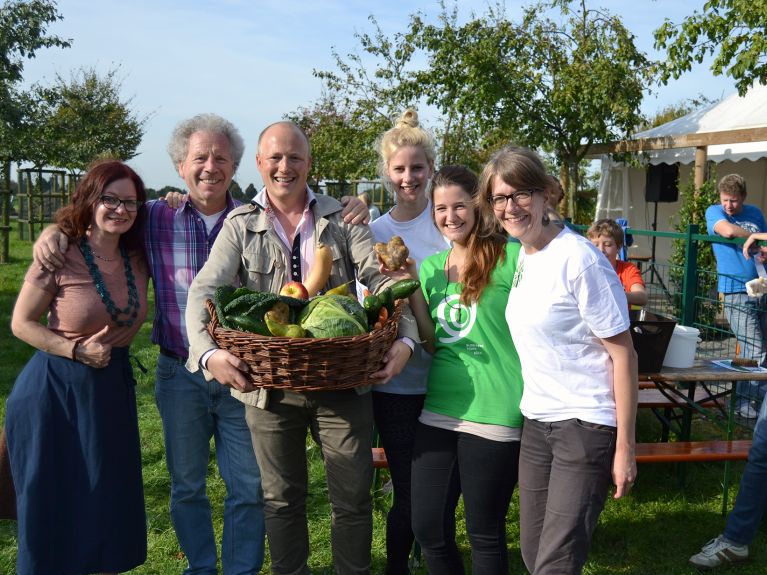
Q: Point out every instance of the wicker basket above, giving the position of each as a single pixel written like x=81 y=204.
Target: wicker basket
x=307 y=364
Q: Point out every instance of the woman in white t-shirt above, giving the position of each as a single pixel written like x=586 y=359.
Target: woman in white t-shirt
x=568 y=317
x=406 y=165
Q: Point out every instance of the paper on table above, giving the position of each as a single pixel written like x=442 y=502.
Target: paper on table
x=727 y=364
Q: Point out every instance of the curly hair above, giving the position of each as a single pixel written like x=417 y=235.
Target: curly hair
x=75 y=218
x=178 y=147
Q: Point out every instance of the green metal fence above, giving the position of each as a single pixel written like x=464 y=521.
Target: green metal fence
x=689 y=294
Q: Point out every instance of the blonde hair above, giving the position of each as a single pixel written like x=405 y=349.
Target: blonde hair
x=406 y=132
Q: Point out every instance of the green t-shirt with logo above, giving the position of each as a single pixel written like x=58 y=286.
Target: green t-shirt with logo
x=475 y=374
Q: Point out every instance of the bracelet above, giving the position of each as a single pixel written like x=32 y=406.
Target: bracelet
x=74 y=350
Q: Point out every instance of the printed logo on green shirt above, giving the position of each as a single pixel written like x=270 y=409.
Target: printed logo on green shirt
x=455 y=319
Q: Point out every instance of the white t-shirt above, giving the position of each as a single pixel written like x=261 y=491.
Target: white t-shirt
x=422 y=239
x=563 y=299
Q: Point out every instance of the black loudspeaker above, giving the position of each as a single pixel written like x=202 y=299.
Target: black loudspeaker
x=660 y=184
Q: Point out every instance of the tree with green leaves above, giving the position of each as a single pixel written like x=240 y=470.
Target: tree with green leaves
x=236 y=190
x=733 y=31
x=23 y=32
x=250 y=191
x=377 y=84
x=85 y=118
x=558 y=86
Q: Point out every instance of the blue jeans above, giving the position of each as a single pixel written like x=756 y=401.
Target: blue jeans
x=194 y=410
x=748 y=321
x=751 y=502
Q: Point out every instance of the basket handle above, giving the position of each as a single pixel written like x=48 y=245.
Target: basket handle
x=212 y=311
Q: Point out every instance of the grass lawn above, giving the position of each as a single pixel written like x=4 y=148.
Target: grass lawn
x=652 y=531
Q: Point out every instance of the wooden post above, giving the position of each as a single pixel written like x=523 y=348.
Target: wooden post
x=701 y=157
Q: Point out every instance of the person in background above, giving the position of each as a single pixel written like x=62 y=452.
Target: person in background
x=71 y=417
x=747 y=316
x=467 y=439
x=375 y=213
x=406 y=164
x=743 y=521
x=556 y=194
x=568 y=317
x=607 y=236
x=263 y=246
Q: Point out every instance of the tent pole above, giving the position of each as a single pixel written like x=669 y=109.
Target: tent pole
x=701 y=156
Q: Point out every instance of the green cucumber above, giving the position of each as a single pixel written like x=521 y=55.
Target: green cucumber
x=404 y=288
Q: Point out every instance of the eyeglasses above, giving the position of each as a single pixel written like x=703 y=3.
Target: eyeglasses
x=522 y=198
x=112 y=203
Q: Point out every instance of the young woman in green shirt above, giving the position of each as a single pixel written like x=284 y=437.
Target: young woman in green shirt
x=467 y=440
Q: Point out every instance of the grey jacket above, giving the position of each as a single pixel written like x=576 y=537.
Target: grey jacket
x=247 y=249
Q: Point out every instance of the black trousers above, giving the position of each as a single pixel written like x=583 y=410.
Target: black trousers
x=447 y=464
x=396 y=417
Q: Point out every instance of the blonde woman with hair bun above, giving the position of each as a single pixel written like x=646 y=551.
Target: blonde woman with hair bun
x=406 y=164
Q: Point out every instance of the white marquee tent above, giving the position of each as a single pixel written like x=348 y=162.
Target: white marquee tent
x=622 y=187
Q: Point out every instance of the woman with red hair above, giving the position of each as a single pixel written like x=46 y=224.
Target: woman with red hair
x=71 y=417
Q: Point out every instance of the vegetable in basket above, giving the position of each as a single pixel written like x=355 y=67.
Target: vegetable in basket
x=333 y=316
x=385 y=300
x=278 y=321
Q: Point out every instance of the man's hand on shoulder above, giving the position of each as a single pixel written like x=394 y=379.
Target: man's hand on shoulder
x=230 y=370
x=174 y=199
x=49 y=249
x=355 y=211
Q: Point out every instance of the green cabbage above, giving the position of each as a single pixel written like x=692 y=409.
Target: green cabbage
x=333 y=316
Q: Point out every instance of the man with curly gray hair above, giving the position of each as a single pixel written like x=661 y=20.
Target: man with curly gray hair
x=206 y=151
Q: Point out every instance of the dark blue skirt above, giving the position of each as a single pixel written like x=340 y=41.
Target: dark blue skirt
x=75 y=456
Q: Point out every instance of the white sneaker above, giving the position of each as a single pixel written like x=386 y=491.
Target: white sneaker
x=718 y=552
x=747 y=411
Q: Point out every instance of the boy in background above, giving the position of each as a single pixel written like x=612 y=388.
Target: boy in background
x=607 y=236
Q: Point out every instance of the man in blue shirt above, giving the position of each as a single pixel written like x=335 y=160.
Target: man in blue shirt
x=732 y=218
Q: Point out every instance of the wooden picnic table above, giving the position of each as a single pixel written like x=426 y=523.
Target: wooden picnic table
x=691 y=390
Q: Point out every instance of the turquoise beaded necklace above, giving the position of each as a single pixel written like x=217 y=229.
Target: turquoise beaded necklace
x=131 y=310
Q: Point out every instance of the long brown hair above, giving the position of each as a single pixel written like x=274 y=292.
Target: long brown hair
x=75 y=218
x=487 y=242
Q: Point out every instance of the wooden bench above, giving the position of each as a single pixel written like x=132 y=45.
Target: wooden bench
x=675 y=452
x=654 y=398
x=682 y=451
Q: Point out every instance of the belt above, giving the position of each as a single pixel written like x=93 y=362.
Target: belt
x=168 y=353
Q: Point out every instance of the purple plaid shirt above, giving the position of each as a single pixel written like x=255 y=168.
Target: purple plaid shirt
x=177 y=247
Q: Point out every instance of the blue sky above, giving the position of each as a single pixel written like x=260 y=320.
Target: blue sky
x=251 y=61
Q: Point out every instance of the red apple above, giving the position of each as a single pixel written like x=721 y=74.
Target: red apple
x=295 y=289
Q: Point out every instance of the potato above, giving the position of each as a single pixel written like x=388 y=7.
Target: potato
x=392 y=254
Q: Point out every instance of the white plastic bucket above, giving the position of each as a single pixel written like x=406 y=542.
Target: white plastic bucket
x=681 y=349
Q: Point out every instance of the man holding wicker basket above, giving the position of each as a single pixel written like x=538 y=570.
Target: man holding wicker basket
x=263 y=246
